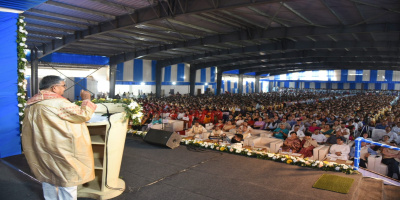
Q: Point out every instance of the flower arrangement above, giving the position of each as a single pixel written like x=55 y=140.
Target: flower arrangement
x=21 y=39
x=132 y=108
x=291 y=160
x=133 y=112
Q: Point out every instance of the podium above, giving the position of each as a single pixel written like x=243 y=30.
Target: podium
x=106 y=164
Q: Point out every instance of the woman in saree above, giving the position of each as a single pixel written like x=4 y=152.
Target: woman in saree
x=326 y=130
x=292 y=143
x=307 y=145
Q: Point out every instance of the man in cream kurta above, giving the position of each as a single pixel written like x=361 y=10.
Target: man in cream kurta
x=340 y=150
x=56 y=141
x=198 y=131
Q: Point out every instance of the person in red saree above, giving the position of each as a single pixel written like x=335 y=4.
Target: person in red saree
x=219 y=123
x=292 y=143
x=173 y=115
x=219 y=114
x=307 y=145
x=188 y=119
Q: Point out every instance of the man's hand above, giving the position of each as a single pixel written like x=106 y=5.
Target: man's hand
x=338 y=153
x=85 y=95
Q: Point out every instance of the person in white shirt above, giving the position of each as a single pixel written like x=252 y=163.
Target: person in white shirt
x=300 y=133
x=340 y=150
x=245 y=130
x=345 y=131
x=317 y=136
x=217 y=131
x=301 y=126
x=198 y=131
x=392 y=135
x=239 y=121
x=396 y=128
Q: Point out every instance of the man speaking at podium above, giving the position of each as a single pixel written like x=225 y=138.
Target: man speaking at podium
x=56 y=141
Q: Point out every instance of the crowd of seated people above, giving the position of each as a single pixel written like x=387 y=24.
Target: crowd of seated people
x=304 y=120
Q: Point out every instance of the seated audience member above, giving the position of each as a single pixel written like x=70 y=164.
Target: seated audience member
x=198 y=131
x=386 y=139
x=287 y=125
x=365 y=136
x=392 y=135
x=271 y=125
x=281 y=132
x=365 y=152
x=250 y=121
x=292 y=143
x=156 y=120
x=237 y=138
x=220 y=124
x=259 y=124
x=388 y=159
x=327 y=130
x=245 y=130
x=382 y=125
x=307 y=145
x=313 y=127
x=301 y=125
x=239 y=121
x=332 y=138
x=317 y=136
x=396 y=128
x=144 y=122
x=217 y=131
x=340 y=150
x=345 y=131
x=300 y=133
x=228 y=126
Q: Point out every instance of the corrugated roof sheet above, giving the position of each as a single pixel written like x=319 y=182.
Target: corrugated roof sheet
x=20 y=4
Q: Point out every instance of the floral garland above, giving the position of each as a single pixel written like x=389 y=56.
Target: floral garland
x=21 y=39
x=132 y=108
x=291 y=160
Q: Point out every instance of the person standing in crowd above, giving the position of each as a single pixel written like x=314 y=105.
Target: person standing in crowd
x=56 y=141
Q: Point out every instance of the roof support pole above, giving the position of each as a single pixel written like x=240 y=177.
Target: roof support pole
x=34 y=73
x=219 y=82
x=240 y=84
x=113 y=76
x=159 y=67
x=192 y=79
x=257 y=84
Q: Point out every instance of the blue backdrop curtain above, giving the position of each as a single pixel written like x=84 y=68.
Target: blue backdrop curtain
x=10 y=141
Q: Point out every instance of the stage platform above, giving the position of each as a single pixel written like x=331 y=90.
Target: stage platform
x=153 y=172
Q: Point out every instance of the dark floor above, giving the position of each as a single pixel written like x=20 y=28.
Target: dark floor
x=152 y=172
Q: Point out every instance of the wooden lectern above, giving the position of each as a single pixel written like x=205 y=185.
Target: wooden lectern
x=106 y=139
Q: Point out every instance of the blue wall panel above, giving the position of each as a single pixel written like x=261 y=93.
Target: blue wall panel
x=343 y=75
x=10 y=140
x=247 y=87
x=340 y=86
x=389 y=75
x=359 y=75
x=203 y=74
x=286 y=84
x=235 y=87
x=212 y=74
x=352 y=86
x=167 y=74
x=307 y=85
x=252 y=87
x=181 y=72
x=80 y=84
x=390 y=86
x=373 y=75
x=138 y=70
x=317 y=85
x=120 y=72
x=228 y=86
x=378 y=86
x=153 y=70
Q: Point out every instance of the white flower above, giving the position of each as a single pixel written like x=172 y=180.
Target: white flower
x=246 y=150
x=23 y=96
x=21 y=70
x=26 y=46
x=20 y=105
x=345 y=167
x=19 y=94
x=249 y=153
x=238 y=151
x=21 y=44
x=21 y=20
x=24 y=59
x=274 y=158
x=20 y=83
x=283 y=159
x=21 y=122
x=206 y=145
x=294 y=160
x=231 y=149
x=212 y=147
x=314 y=164
x=337 y=168
x=20 y=114
x=202 y=144
x=187 y=142
x=23 y=39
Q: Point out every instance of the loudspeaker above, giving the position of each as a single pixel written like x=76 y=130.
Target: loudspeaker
x=163 y=138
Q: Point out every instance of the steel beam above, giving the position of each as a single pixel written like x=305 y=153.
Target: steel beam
x=113 y=76
x=258 y=33
x=251 y=66
x=34 y=72
x=298 y=54
x=219 y=82
x=257 y=84
x=159 y=67
x=76 y=8
x=240 y=84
